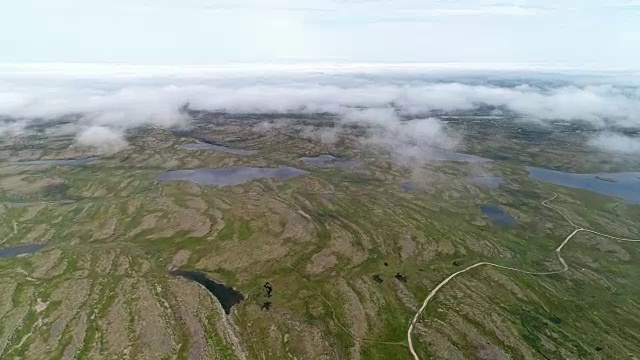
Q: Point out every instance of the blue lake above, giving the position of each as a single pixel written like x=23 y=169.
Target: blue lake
x=497 y=216
x=624 y=185
x=409 y=186
x=20 y=250
x=329 y=161
x=226 y=149
x=229 y=176
x=447 y=155
x=492 y=182
x=81 y=161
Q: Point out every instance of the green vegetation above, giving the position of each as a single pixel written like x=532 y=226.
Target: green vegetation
x=101 y=287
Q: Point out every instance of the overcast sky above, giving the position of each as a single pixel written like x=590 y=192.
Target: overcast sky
x=592 y=33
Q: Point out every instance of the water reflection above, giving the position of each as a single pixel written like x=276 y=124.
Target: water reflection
x=409 y=186
x=624 y=185
x=216 y=147
x=492 y=182
x=447 y=155
x=70 y=162
x=235 y=175
x=327 y=161
x=20 y=250
x=497 y=216
x=226 y=295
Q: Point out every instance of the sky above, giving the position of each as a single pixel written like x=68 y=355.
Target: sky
x=575 y=33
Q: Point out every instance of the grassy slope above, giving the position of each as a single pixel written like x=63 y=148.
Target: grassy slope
x=255 y=234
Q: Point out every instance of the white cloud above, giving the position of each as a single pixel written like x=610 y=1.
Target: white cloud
x=101 y=139
x=107 y=105
x=616 y=143
x=372 y=116
x=157 y=100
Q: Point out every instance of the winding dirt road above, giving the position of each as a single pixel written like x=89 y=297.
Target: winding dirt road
x=565 y=267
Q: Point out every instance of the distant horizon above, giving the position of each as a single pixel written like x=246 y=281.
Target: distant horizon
x=312 y=66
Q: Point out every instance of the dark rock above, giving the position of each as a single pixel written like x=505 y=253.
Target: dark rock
x=556 y=320
x=269 y=288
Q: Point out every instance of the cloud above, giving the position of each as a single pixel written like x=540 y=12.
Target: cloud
x=134 y=105
x=12 y=127
x=105 y=105
x=374 y=116
x=325 y=135
x=101 y=139
x=411 y=143
x=616 y=143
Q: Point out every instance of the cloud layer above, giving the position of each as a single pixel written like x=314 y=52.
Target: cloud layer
x=101 y=139
x=616 y=143
x=106 y=106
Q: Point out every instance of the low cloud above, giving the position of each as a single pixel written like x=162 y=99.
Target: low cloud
x=105 y=107
x=101 y=139
x=413 y=142
x=616 y=143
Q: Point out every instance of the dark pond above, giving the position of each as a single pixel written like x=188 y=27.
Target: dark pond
x=331 y=161
x=497 y=216
x=492 y=182
x=81 y=161
x=20 y=250
x=53 y=202
x=623 y=185
x=235 y=175
x=447 y=155
x=216 y=147
x=409 y=186
x=226 y=295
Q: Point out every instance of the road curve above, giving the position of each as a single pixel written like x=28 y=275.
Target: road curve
x=565 y=267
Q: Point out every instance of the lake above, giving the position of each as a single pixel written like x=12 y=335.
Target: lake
x=216 y=147
x=448 y=155
x=230 y=176
x=497 y=216
x=20 y=250
x=624 y=185
x=409 y=186
x=81 y=161
x=491 y=182
x=330 y=161
x=226 y=295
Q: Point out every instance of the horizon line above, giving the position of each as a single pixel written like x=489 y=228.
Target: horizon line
x=303 y=66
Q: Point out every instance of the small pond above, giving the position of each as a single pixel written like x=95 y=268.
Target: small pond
x=217 y=147
x=624 y=185
x=20 y=250
x=226 y=295
x=491 y=182
x=34 y=203
x=229 y=176
x=70 y=162
x=447 y=155
x=497 y=216
x=330 y=161
x=409 y=186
